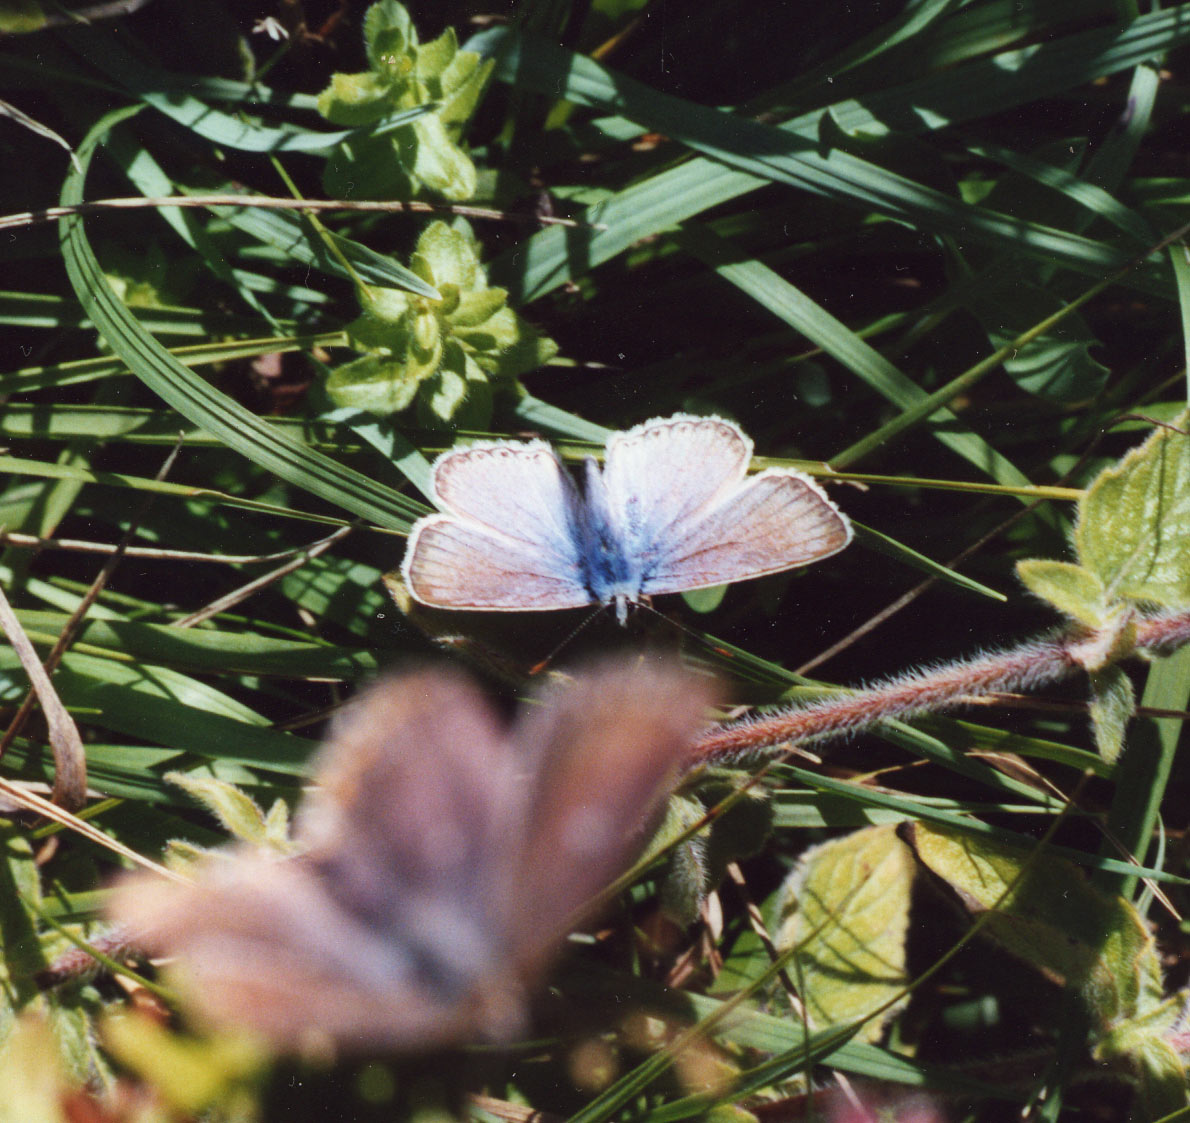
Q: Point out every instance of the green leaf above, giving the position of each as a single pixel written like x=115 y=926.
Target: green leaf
x=1133 y=527
x=460 y=86
x=191 y=1075
x=374 y=384
x=434 y=58
x=450 y=256
x=383 y=309
x=369 y=167
x=178 y=103
x=389 y=34
x=1146 y=1047
x=846 y=909
x=684 y=885
x=440 y=353
x=437 y=163
x=237 y=811
x=356 y=99
x=1071 y=589
x=68 y=1041
x=458 y=393
x=1057 y=366
x=422 y=156
x=1113 y=705
x=476 y=309
x=1043 y=911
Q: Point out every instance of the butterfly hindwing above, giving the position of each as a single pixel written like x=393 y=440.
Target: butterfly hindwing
x=778 y=520
x=261 y=946
x=455 y=564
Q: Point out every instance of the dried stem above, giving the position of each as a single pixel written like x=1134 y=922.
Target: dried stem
x=70 y=762
x=385 y=206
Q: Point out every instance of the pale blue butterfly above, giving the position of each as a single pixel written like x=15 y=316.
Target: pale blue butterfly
x=671 y=510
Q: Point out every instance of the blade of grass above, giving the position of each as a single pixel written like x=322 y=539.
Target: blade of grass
x=192 y=396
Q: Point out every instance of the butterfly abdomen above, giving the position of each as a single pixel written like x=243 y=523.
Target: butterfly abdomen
x=610 y=570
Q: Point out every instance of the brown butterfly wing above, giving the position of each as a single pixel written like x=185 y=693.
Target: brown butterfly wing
x=415 y=797
x=608 y=747
x=445 y=859
x=387 y=931
x=259 y=945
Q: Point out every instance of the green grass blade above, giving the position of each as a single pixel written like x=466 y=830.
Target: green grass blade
x=193 y=397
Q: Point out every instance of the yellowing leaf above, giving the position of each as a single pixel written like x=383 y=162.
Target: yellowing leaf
x=846 y=908
x=1046 y=913
x=32 y=1083
x=190 y=1074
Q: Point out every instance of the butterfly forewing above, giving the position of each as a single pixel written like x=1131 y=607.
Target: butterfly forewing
x=663 y=474
x=507 y=538
x=607 y=746
x=521 y=490
x=389 y=930
x=416 y=804
x=778 y=520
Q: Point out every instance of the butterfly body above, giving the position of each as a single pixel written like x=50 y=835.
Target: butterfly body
x=612 y=570
x=671 y=510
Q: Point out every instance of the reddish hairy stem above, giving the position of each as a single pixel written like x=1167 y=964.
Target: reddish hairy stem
x=1027 y=666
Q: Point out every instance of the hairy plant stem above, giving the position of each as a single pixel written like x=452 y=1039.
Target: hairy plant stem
x=1027 y=666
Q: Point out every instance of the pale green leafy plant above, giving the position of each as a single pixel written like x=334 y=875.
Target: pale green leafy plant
x=847 y=909
x=1132 y=540
x=442 y=354
x=419 y=157
x=27 y=948
x=240 y=815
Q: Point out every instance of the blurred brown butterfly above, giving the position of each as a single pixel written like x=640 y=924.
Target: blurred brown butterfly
x=445 y=856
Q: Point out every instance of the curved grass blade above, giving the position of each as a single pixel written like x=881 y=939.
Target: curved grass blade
x=192 y=396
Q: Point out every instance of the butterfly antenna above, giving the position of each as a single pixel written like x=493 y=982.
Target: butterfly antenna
x=702 y=638
x=537 y=668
